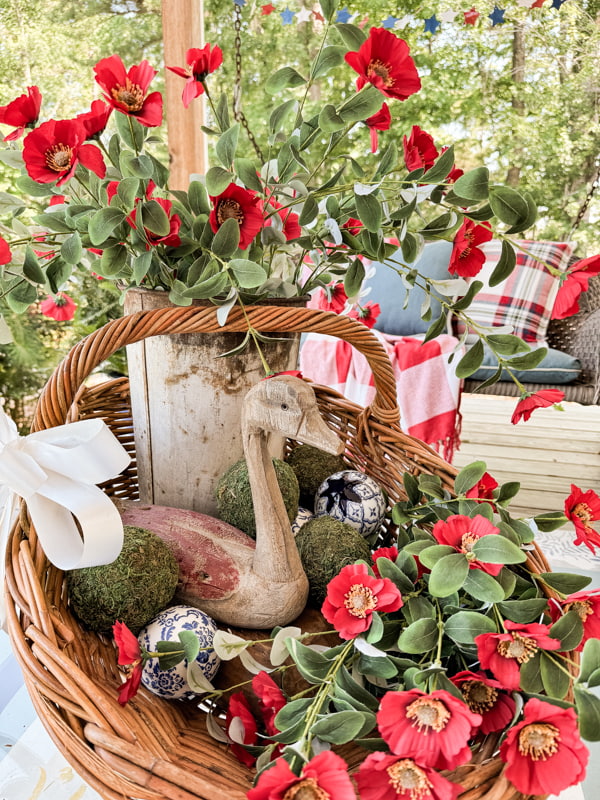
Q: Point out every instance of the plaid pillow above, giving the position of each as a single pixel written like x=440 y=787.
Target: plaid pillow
x=525 y=299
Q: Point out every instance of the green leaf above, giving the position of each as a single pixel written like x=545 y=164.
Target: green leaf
x=217 y=180
x=354 y=277
x=140 y=166
x=345 y=681
x=248 y=274
x=293 y=712
x=473 y=185
x=130 y=131
x=329 y=120
x=377 y=667
x=227 y=238
x=556 y=681
x=361 y=106
x=410 y=247
x=352 y=35
x=448 y=575
x=432 y=554
x=388 y=161
x=154 y=218
x=104 y=223
x=310 y=210
x=28 y=186
x=528 y=220
x=506 y=264
x=329 y=58
x=465 y=302
x=191 y=644
x=71 y=249
x=140 y=267
x=508 y=205
x=112 y=261
x=222 y=113
x=328 y=7
x=464 y=626
x=210 y=287
x=368 y=209
x=420 y=637
x=278 y=117
x=431 y=485
x=313 y=666
x=506 y=344
x=343 y=726
x=31 y=267
x=227 y=145
x=439 y=325
x=483 y=587
x=440 y=170
x=568 y=629
x=283 y=78
x=127 y=191
x=198 y=198
x=530 y=360
x=531 y=675
x=469 y=476
x=590 y=659
x=550 y=521
x=523 y=611
x=387 y=569
x=588 y=713
x=565 y=582
x=58 y=273
x=439 y=226
x=171 y=653
x=496 y=549
x=471 y=361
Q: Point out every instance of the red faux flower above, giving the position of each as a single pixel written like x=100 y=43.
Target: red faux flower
x=60 y=307
x=332 y=298
x=383 y=552
x=420 y=151
x=5 y=254
x=467 y=258
x=483 y=489
x=461 y=533
x=289 y=220
x=270 y=699
x=324 y=776
x=52 y=151
x=130 y=655
x=544 y=753
x=353 y=595
x=573 y=283
x=353 y=226
x=96 y=119
x=201 y=62
x=172 y=238
x=387 y=777
x=127 y=90
x=487 y=697
x=530 y=401
x=21 y=113
x=503 y=653
x=587 y=606
x=582 y=508
x=366 y=314
x=380 y=121
x=384 y=60
x=240 y=727
x=434 y=728
x=241 y=204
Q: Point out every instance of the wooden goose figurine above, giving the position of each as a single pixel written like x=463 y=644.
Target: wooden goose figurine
x=223 y=571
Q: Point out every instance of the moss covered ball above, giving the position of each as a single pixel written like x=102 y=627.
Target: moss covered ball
x=133 y=588
x=326 y=545
x=312 y=466
x=234 y=497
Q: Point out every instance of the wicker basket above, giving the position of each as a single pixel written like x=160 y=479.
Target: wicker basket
x=154 y=749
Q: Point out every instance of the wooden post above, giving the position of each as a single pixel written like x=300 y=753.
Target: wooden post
x=182 y=22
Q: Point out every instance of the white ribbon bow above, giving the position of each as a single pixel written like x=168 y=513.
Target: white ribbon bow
x=56 y=472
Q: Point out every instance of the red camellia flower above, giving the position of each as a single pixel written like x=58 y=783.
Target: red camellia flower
x=467 y=258
x=544 y=753
x=96 y=119
x=290 y=221
x=240 y=727
x=387 y=777
x=380 y=121
x=172 y=238
x=582 y=508
x=587 y=606
x=434 y=728
x=531 y=400
x=353 y=226
x=201 y=61
x=52 y=151
x=130 y=655
x=61 y=307
x=384 y=60
x=503 y=653
x=5 y=253
x=270 y=699
x=573 y=283
x=420 y=151
x=383 y=552
x=483 y=489
x=332 y=298
x=241 y=204
x=461 y=533
x=485 y=696
x=21 y=113
x=127 y=90
x=366 y=314
x=324 y=777
x=353 y=595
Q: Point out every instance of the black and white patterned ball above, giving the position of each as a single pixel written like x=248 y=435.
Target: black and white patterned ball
x=354 y=498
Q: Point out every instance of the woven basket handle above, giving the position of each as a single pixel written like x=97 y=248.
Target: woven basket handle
x=60 y=390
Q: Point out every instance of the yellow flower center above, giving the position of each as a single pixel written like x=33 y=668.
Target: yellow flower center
x=359 y=600
x=583 y=608
x=228 y=209
x=306 y=789
x=406 y=777
x=521 y=648
x=584 y=513
x=59 y=157
x=381 y=70
x=538 y=741
x=479 y=697
x=466 y=545
x=130 y=95
x=429 y=714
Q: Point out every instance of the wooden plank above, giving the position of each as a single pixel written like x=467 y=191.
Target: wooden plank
x=488 y=434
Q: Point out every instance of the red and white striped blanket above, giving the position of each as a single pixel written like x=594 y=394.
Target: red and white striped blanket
x=428 y=390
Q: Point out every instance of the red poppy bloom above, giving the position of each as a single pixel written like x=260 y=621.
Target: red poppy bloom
x=434 y=728
x=127 y=90
x=353 y=226
x=270 y=699
x=485 y=696
x=241 y=204
x=483 y=489
x=503 y=653
x=240 y=727
x=21 y=113
x=587 y=606
x=130 y=655
x=572 y=284
x=544 y=753
x=461 y=533
x=96 y=119
x=61 y=307
x=380 y=121
x=366 y=314
x=324 y=776
x=5 y=253
x=290 y=221
x=52 y=151
x=172 y=238
x=467 y=258
x=353 y=595
x=202 y=61
x=582 y=508
x=384 y=60
x=386 y=777
x=420 y=151
x=332 y=298
x=530 y=401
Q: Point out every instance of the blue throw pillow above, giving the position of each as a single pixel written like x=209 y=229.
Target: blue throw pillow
x=388 y=290
x=557 y=367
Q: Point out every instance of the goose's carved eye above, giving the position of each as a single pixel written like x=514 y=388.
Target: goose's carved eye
x=284 y=406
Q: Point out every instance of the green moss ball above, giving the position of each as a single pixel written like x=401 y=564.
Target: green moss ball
x=138 y=584
x=234 y=497
x=312 y=466
x=326 y=545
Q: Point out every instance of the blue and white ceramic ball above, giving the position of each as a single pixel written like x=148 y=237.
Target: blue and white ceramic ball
x=172 y=683
x=352 y=497
x=302 y=516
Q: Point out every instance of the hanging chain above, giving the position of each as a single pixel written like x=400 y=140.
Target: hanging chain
x=588 y=199
x=237 y=87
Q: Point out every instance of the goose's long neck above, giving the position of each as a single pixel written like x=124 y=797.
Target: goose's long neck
x=276 y=556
